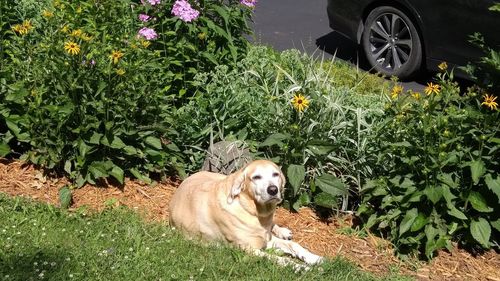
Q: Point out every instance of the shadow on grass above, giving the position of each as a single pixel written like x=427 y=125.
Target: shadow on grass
x=37 y=264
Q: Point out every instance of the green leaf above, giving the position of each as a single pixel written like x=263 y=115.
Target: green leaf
x=420 y=221
x=296 y=175
x=222 y=12
x=477 y=170
x=325 y=200
x=303 y=200
x=140 y=176
x=98 y=170
x=448 y=180
x=4 y=149
x=430 y=246
x=331 y=185
x=433 y=193
x=154 y=142
x=407 y=221
x=83 y=148
x=67 y=166
x=117 y=143
x=496 y=224
x=95 y=138
x=481 y=231
x=117 y=173
x=453 y=211
x=320 y=147
x=478 y=202
x=275 y=139
x=493 y=185
x=64 y=197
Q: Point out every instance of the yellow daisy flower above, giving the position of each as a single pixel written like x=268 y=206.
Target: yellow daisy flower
x=145 y=43
x=65 y=29
x=47 y=14
x=396 y=90
x=300 y=102
x=120 y=71
x=116 y=56
x=27 y=24
x=76 y=33
x=416 y=95
x=489 y=101
x=432 y=89
x=17 y=28
x=443 y=66
x=72 y=48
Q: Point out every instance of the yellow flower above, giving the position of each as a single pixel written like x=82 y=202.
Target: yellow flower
x=27 y=24
x=120 y=71
x=23 y=28
x=47 y=14
x=489 y=101
x=432 y=89
x=145 y=43
x=300 y=102
x=416 y=95
x=19 y=29
x=72 y=48
x=116 y=56
x=65 y=29
x=79 y=10
x=396 y=90
x=443 y=66
x=76 y=33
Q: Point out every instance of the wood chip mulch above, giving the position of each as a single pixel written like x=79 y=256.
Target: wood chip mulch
x=329 y=239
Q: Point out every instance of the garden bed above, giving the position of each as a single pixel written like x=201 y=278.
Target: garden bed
x=329 y=238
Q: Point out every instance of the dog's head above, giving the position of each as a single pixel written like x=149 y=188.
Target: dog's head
x=262 y=180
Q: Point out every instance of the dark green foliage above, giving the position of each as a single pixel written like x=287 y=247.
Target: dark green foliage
x=437 y=177
x=103 y=107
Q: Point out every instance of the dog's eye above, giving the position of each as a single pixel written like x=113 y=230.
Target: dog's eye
x=256 y=177
x=276 y=174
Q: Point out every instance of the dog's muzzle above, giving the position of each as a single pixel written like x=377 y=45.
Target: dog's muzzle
x=272 y=190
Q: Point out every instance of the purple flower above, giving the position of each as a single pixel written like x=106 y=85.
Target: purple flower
x=249 y=3
x=152 y=2
x=183 y=10
x=148 y=33
x=144 y=17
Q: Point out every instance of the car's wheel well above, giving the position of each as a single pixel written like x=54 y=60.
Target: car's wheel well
x=403 y=8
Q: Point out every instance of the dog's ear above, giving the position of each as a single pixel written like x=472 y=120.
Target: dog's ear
x=237 y=185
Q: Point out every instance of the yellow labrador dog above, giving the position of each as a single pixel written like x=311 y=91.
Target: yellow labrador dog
x=237 y=208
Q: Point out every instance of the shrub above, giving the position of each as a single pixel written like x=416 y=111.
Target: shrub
x=321 y=148
x=437 y=177
x=86 y=91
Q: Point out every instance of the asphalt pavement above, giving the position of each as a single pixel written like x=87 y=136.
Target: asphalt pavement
x=303 y=25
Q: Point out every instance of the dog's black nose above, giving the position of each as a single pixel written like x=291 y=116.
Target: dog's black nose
x=272 y=190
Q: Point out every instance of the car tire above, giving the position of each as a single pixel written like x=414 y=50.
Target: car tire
x=391 y=43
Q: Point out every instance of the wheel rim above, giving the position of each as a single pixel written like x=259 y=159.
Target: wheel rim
x=390 y=41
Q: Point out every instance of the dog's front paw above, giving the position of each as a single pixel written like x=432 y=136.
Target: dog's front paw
x=282 y=232
x=313 y=259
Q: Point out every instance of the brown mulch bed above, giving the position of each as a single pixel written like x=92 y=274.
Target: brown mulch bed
x=372 y=254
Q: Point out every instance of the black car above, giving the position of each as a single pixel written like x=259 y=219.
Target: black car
x=400 y=37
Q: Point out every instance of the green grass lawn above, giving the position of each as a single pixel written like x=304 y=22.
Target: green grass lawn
x=41 y=242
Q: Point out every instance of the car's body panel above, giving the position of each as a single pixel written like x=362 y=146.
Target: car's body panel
x=444 y=25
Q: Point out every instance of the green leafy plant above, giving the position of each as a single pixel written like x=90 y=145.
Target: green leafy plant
x=322 y=147
x=486 y=71
x=87 y=92
x=437 y=178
